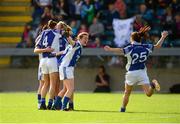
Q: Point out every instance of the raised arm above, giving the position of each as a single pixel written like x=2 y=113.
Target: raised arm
x=70 y=40
x=164 y=34
x=110 y=49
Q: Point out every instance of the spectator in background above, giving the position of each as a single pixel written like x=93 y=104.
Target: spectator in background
x=147 y=14
x=44 y=3
x=121 y=8
x=167 y=22
x=78 y=6
x=176 y=27
x=96 y=29
x=87 y=12
x=46 y=16
x=83 y=28
x=110 y=14
x=26 y=41
x=74 y=27
x=102 y=80
x=95 y=43
x=61 y=9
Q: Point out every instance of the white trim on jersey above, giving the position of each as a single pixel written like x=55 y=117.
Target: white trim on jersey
x=69 y=53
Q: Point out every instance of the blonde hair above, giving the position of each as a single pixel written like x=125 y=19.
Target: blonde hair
x=80 y=35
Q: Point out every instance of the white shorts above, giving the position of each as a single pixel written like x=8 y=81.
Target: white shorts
x=49 y=65
x=66 y=73
x=137 y=77
x=40 y=75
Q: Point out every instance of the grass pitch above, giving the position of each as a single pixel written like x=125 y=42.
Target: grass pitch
x=92 y=108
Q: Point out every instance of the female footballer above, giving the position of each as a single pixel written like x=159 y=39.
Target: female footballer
x=51 y=24
x=137 y=54
x=66 y=69
x=48 y=44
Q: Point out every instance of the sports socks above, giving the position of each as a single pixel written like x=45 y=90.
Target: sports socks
x=58 y=103
x=71 y=105
x=123 y=109
x=43 y=101
x=39 y=98
x=50 y=103
x=65 y=102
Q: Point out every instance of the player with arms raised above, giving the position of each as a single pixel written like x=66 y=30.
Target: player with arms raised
x=137 y=54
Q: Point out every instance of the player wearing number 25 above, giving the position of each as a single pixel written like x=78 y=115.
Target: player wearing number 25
x=137 y=54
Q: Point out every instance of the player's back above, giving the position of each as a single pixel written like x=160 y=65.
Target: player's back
x=137 y=55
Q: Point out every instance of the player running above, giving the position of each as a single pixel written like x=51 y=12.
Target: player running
x=137 y=54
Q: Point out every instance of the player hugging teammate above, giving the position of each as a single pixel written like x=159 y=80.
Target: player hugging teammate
x=59 y=56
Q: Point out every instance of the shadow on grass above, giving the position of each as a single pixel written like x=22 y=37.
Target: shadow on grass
x=95 y=111
x=127 y=112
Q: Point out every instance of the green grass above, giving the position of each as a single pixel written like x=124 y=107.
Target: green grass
x=92 y=108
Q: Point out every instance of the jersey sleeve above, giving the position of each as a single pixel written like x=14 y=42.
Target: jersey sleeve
x=127 y=49
x=149 y=47
x=37 y=41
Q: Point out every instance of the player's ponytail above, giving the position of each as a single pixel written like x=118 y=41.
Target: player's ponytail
x=51 y=24
x=142 y=33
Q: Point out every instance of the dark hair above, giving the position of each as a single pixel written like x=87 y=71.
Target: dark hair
x=103 y=68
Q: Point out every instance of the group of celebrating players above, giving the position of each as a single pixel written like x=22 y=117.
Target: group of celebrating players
x=58 y=54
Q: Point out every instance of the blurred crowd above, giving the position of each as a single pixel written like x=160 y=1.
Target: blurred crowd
x=96 y=16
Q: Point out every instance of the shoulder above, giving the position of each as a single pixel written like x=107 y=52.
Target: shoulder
x=127 y=49
x=149 y=47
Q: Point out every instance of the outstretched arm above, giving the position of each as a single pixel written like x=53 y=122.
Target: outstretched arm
x=164 y=34
x=110 y=49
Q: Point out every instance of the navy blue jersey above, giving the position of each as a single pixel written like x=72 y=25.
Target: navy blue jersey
x=71 y=55
x=63 y=44
x=49 y=38
x=137 y=55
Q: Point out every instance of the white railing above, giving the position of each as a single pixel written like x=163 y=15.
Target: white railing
x=86 y=52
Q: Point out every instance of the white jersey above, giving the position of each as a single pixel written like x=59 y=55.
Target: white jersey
x=71 y=55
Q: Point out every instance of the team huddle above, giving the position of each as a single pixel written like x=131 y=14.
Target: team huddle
x=59 y=53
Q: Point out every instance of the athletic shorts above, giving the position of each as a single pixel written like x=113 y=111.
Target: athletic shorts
x=66 y=73
x=49 y=65
x=138 y=77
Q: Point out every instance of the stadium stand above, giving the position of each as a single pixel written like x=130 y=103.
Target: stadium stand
x=14 y=14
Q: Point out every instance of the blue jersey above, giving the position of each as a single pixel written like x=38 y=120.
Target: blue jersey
x=49 y=38
x=63 y=44
x=71 y=55
x=137 y=55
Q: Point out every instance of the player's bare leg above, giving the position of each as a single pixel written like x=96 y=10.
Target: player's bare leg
x=44 y=91
x=149 y=89
x=126 y=96
x=69 y=84
x=71 y=102
x=41 y=83
x=58 y=103
x=52 y=88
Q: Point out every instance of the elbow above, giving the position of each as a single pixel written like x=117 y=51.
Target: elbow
x=35 y=50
